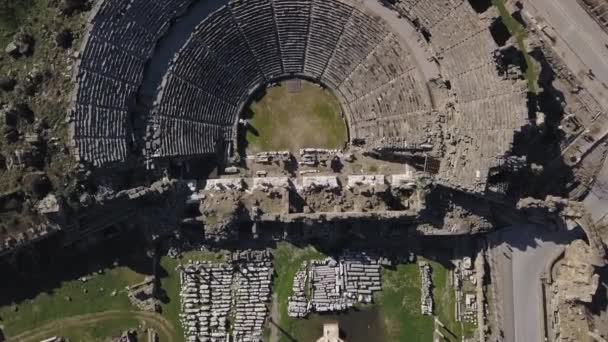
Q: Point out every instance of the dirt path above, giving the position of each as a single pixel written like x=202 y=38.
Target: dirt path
x=275 y=317
x=54 y=327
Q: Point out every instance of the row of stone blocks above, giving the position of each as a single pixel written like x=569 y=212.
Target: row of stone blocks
x=205 y=301
x=237 y=47
x=430 y=13
x=135 y=25
x=256 y=21
x=331 y=41
x=219 y=301
x=120 y=39
x=177 y=137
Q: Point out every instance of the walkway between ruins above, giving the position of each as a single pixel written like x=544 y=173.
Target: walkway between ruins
x=521 y=259
x=54 y=328
x=576 y=32
x=596 y=201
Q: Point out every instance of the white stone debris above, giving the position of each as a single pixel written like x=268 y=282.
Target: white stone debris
x=272 y=156
x=267 y=183
x=226 y=301
x=335 y=285
x=313 y=183
x=224 y=184
x=426 y=294
x=298 y=305
x=356 y=181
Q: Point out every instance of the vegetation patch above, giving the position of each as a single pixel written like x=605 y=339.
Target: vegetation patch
x=37 y=83
x=284 y=120
x=100 y=331
x=13 y=14
x=287 y=261
x=72 y=298
x=399 y=304
x=519 y=32
x=395 y=316
x=445 y=303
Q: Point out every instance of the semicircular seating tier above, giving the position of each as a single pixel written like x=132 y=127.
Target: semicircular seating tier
x=248 y=43
x=489 y=108
x=120 y=40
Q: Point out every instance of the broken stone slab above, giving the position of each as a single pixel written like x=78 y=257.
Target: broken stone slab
x=49 y=205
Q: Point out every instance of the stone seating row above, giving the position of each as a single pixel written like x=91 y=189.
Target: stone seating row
x=207 y=79
x=176 y=137
x=121 y=38
x=256 y=20
x=292 y=20
x=112 y=61
x=388 y=61
x=403 y=95
x=461 y=23
x=327 y=22
x=432 y=13
x=200 y=66
x=100 y=150
x=469 y=54
x=411 y=126
x=100 y=122
x=221 y=35
x=506 y=111
x=482 y=83
x=98 y=90
x=185 y=100
x=135 y=25
x=362 y=33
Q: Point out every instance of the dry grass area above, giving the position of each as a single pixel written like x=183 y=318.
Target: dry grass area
x=284 y=120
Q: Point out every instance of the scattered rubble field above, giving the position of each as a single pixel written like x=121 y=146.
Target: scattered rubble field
x=284 y=120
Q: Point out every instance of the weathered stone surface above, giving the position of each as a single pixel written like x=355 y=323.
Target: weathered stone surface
x=49 y=205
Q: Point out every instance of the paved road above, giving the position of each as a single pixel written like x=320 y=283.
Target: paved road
x=580 y=41
x=596 y=201
x=521 y=259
